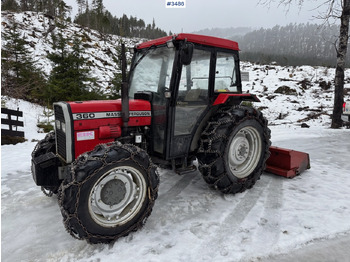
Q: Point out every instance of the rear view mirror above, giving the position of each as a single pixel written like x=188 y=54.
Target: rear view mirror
x=186 y=53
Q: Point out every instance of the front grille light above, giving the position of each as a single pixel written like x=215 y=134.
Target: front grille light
x=58 y=124
x=63 y=127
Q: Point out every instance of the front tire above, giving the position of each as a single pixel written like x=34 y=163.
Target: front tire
x=109 y=193
x=234 y=148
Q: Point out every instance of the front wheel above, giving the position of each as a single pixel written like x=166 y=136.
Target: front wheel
x=110 y=192
x=234 y=148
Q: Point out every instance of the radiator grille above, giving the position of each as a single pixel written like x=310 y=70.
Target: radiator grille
x=61 y=138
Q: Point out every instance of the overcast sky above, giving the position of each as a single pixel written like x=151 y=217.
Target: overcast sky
x=201 y=14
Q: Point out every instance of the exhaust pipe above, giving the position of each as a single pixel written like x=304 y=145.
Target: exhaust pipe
x=125 y=92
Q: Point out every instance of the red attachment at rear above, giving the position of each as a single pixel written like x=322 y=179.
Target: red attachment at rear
x=286 y=162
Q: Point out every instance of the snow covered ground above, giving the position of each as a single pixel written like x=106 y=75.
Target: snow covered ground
x=191 y=222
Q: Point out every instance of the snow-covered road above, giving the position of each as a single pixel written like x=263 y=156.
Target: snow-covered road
x=322 y=250
x=191 y=222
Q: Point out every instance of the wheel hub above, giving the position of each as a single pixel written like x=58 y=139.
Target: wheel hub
x=240 y=150
x=113 y=192
x=241 y=153
x=117 y=196
x=244 y=152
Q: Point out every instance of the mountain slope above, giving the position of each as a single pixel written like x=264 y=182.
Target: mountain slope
x=38 y=29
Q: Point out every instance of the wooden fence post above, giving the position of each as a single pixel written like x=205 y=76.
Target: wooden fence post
x=13 y=124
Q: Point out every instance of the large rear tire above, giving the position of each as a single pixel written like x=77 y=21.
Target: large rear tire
x=234 y=148
x=109 y=193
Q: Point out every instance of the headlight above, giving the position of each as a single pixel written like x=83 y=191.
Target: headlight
x=58 y=124
x=63 y=127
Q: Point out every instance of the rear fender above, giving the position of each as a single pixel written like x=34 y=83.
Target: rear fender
x=234 y=99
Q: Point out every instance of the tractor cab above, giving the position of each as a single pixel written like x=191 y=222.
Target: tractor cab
x=183 y=76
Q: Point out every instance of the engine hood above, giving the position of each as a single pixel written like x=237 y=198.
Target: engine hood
x=109 y=112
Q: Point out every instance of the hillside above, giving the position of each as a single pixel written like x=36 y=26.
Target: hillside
x=294 y=95
x=101 y=50
x=293 y=44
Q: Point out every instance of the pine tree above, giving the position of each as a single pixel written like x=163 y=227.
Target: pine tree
x=19 y=77
x=117 y=80
x=10 y=5
x=81 y=5
x=101 y=20
x=69 y=79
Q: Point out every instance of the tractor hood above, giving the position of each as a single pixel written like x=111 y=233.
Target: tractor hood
x=108 y=112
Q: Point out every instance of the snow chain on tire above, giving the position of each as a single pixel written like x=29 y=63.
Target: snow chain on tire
x=84 y=168
x=214 y=142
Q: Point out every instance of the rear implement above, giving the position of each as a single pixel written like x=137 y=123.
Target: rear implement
x=286 y=162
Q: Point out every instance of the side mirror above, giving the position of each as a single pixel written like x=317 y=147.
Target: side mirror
x=186 y=53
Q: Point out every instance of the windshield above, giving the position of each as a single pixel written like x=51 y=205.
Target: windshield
x=152 y=70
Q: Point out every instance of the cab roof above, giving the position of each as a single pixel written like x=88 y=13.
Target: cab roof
x=193 y=38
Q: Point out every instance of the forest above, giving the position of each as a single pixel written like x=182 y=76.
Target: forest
x=293 y=45
x=91 y=14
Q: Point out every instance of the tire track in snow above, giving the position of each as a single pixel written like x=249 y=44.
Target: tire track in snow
x=218 y=242
x=177 y=188
x=269 y=224
x=161 y=208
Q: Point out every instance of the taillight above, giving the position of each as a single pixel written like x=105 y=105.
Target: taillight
x=344 y=107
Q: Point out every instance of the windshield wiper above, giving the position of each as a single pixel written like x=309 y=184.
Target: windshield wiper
x=143 y=55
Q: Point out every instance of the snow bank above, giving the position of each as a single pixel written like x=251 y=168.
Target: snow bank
x=33 y=114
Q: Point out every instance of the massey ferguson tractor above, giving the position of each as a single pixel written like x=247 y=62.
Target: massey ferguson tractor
x=182 y=101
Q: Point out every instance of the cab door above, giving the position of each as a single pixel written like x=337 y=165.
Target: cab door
x=191 y=102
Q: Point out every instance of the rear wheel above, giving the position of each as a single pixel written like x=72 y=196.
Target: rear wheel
x=234 y=148
x=110 y=192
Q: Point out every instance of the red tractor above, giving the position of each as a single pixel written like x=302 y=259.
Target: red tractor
x=182 y=102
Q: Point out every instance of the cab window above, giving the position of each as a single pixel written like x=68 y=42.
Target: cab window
x=225 y=73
